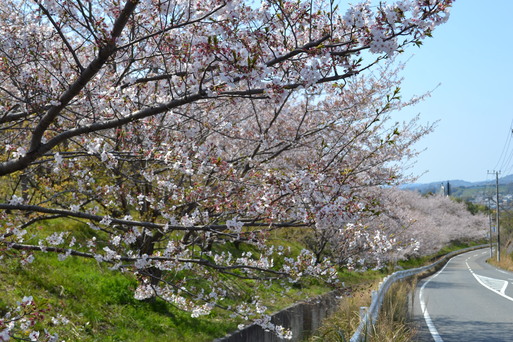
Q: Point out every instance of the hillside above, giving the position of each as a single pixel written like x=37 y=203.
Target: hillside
x=477 y=192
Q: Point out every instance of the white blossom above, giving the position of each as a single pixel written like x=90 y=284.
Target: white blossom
x=234 y=225
x=16 y=200
x=55 y=239
x=74 y=207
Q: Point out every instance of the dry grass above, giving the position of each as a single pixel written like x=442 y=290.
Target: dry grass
x=393 y=324
x=394 y=321
x=506 y=262
x=343 y=323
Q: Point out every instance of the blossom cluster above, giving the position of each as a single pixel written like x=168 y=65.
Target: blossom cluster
x=182 y=138
x=19 y=323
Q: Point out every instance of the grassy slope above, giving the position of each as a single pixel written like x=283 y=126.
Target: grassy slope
x=99 y=302
x=100 y=306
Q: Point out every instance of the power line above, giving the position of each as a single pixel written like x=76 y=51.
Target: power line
x=508 y=166
x=507 y=152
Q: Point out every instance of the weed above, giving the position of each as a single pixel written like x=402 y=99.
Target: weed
x=506 y=262
x=341 y=325
x=393 y=323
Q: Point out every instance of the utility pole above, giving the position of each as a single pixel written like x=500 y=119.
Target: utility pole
x=497 y=214
x=490 y=223
x=498 y=227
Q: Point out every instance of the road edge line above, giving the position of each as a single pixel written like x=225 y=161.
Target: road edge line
x=423 y=307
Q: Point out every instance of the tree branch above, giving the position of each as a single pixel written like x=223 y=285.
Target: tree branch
x=63 y=37
x=151 y=225
x=104 y=53
x=296 y=52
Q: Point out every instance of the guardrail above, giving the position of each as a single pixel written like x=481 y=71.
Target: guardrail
x=369 y=316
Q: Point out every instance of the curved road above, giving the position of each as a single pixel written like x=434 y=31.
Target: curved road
x=468 y=300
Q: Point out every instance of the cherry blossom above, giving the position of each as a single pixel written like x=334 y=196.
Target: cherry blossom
x=173 y=128
x=19 y=322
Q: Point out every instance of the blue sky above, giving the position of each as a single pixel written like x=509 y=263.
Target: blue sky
x=471 y=56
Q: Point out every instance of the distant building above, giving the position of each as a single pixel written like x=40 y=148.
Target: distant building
x=445 y=189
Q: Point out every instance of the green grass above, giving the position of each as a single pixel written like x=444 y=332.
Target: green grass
x=99 y=302
x=100 y=306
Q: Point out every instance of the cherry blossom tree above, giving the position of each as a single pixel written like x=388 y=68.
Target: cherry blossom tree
x=70 y=68
x=172 y=128
x=421 y=225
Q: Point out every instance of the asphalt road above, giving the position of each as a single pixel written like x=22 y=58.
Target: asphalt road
x=468 y=300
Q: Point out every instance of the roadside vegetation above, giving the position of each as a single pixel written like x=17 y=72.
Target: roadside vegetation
x=394 y=322
x=86 y=301
x=506 y=236
x=505 y=263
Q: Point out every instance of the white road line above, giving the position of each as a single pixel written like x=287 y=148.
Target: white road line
x=429 y=322
x=495 y=285
x=499 y=287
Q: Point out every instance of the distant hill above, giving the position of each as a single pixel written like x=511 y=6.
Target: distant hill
x=435 y=187
x=506 y=179
x=476 y=192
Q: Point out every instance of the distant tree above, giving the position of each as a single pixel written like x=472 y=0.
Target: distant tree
x=421 y=225
x=472 y=207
